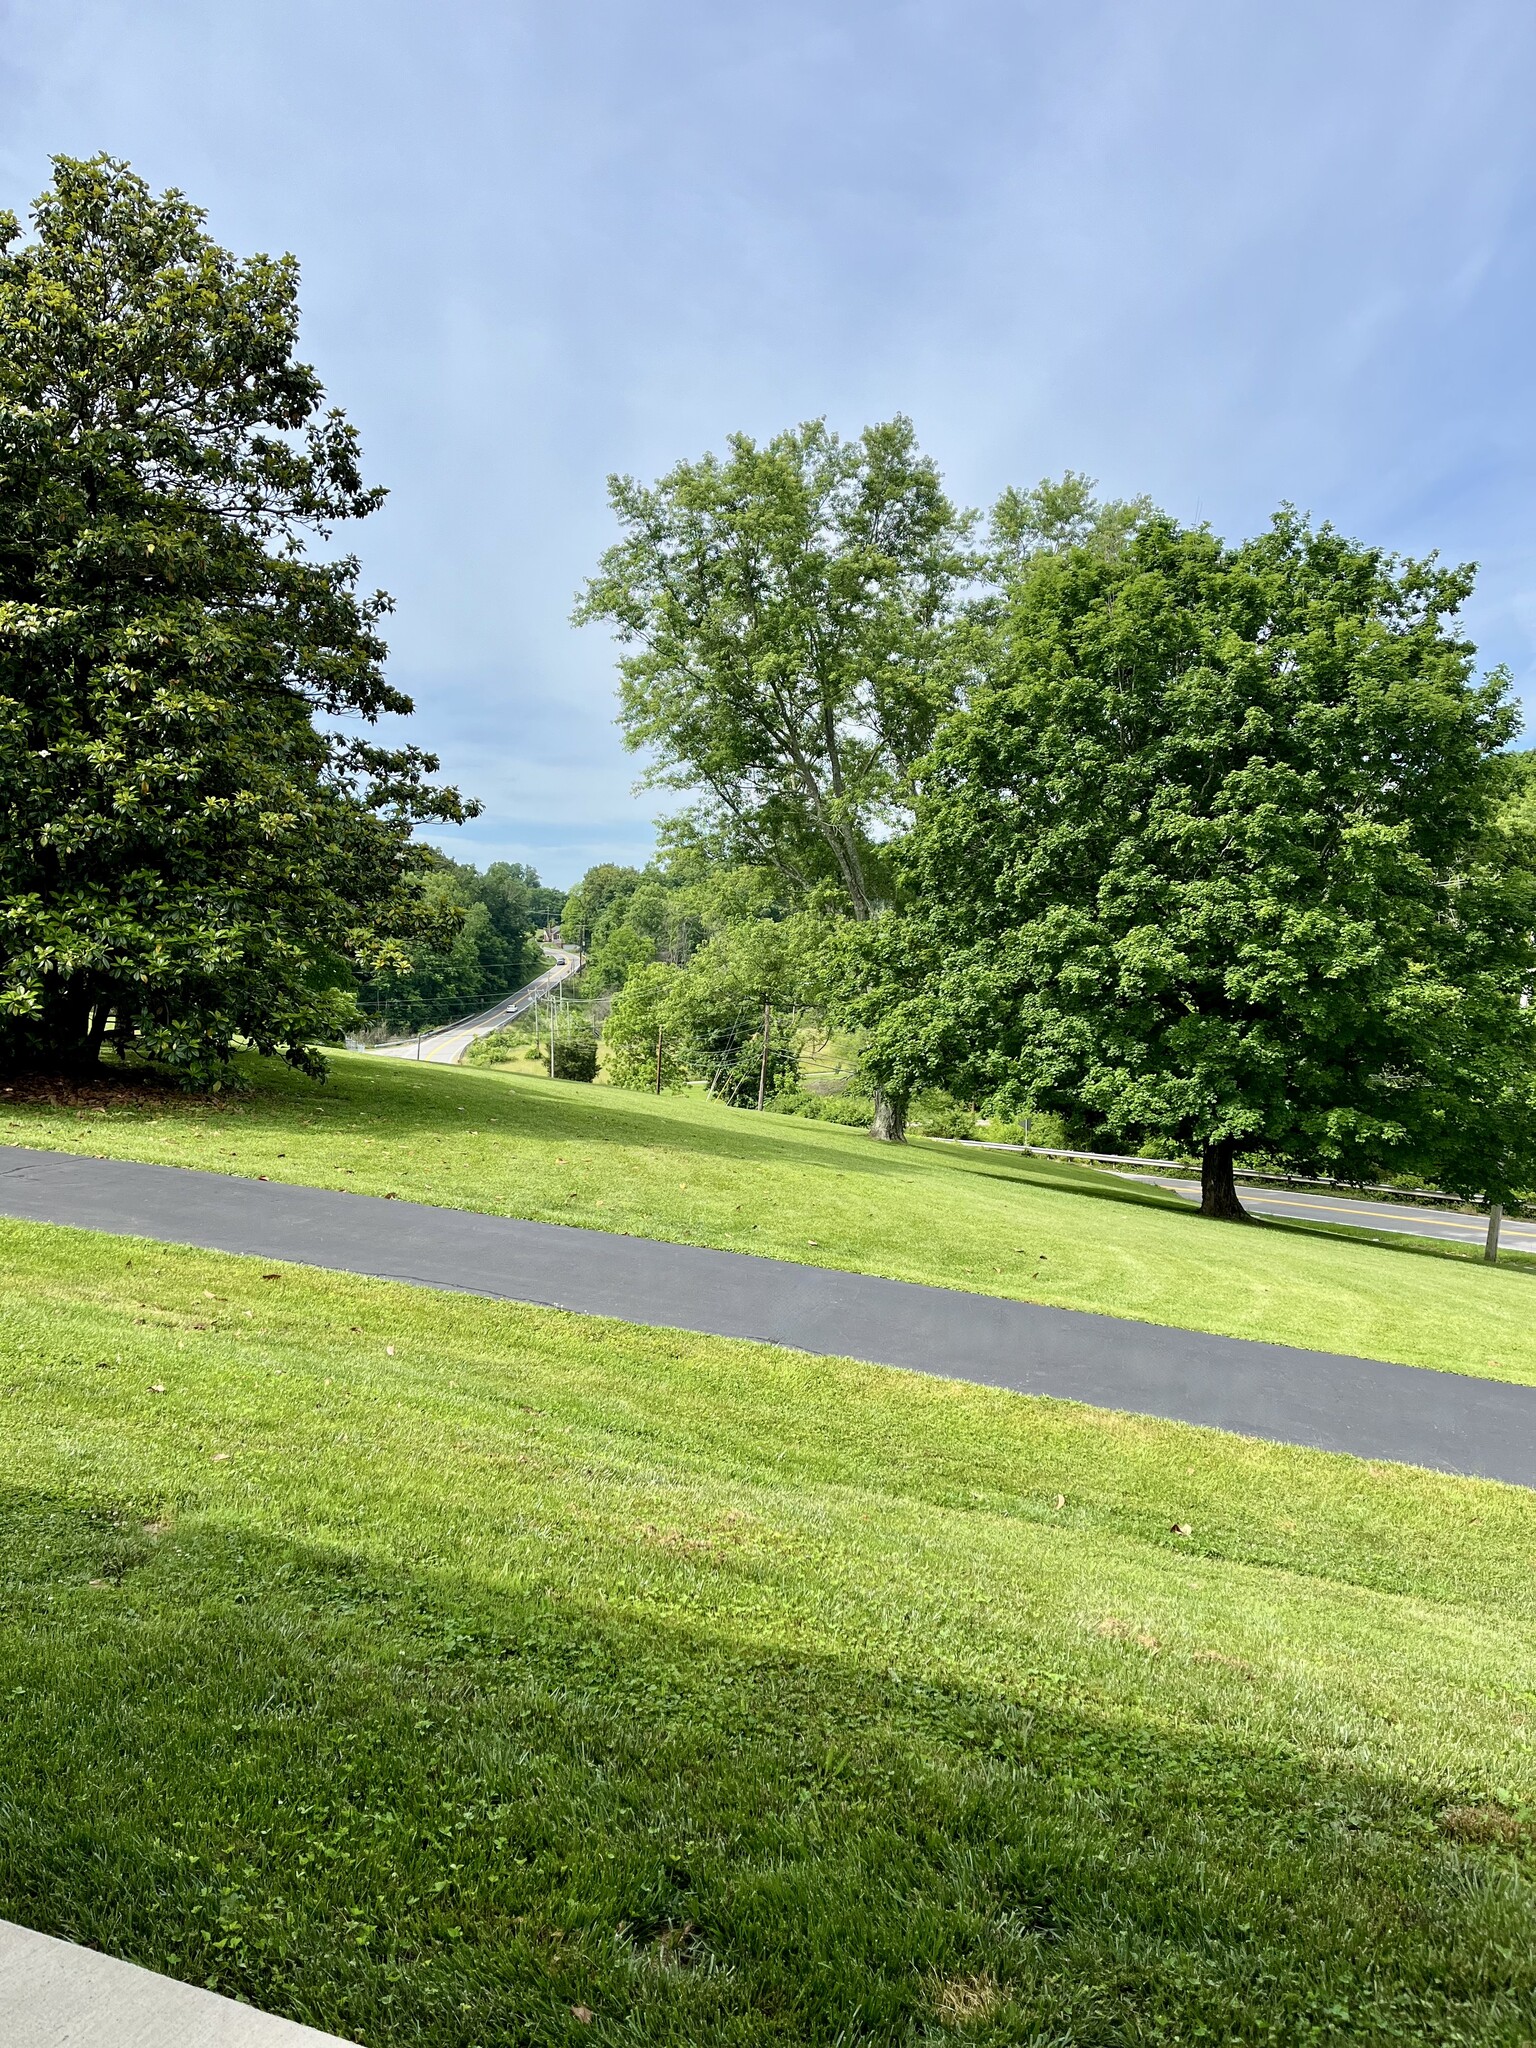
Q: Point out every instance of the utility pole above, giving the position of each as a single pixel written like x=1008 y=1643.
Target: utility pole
x=551 y=1038
x=658 y=1059
x=762 y=1069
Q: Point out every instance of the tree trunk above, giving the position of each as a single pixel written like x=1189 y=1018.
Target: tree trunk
x=890 y=1122
x=66 y=1036
x=96 y=1033
x=1218 y=1190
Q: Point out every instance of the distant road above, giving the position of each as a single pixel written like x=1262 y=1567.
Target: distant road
x=1403 y=1219
x=446 y=1046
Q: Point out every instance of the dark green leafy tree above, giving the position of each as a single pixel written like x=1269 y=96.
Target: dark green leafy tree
x=788 y=616
x=646 y=1043
x=520 y=884
x=1224 y=854
x=731 y=1018
x=597 y=904
x=186 y=857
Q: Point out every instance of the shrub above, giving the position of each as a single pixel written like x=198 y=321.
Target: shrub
x=575 y=1054
x=947 y=1121
x=938 y=1114
x=852 y=1110
x=1044 y=1127
x=790 y=1099
x=498 y=1047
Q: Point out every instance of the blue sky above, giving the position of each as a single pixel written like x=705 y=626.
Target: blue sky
x=1224 y=252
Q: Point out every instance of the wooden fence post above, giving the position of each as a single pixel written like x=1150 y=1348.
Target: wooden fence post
x=1491 y=1248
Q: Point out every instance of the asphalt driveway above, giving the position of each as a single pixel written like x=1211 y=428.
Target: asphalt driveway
x=1448 y=1421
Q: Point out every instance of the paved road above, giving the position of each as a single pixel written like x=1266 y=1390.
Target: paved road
x=54 y=1994
x=1445 y=1420
x=447 y=1046
x=1404 y=1219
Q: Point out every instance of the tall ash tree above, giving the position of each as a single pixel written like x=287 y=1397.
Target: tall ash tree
x=789 y=615
x=186 y=857
x=1223 y=853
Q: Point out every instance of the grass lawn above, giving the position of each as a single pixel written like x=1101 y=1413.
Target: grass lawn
x=441 y=1671
x=682 y=1168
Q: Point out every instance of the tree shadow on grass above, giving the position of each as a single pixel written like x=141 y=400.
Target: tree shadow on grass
x=426 y=1807
x=1398 y=1242
x=577 y=1113
x=1090 y=1189
x=1360 y=1235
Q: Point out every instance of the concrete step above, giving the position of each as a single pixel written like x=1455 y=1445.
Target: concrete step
x=54 y=1994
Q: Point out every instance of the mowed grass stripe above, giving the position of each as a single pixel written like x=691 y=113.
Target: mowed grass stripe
x=427 y=1667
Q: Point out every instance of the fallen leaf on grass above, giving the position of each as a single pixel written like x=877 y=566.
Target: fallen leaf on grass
x=221 y=1457
x=157 y=1388
x=583 y=2013
x=1182 y=1529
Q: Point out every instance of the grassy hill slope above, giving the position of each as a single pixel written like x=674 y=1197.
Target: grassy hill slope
x=445 y=1672
x=682 y=1168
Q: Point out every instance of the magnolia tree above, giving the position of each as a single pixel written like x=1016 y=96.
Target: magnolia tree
x=186 y=856
x=1221 y=853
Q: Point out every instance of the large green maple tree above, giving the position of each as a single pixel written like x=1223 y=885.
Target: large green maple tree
x=1219 y=854
x=189 y=854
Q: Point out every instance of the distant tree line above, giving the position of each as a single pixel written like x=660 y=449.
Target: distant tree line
x=489 y=946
